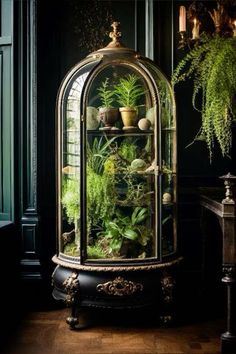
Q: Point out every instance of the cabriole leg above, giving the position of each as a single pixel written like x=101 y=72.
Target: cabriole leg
x=71 y=285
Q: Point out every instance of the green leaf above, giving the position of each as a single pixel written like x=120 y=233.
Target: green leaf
x=115 y=244
x=130 y=234
x=139 y=215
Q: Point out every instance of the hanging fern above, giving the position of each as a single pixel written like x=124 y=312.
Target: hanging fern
x=212 y=65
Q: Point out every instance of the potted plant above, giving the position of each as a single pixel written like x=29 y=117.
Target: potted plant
x=212 y=65
x=128 y=91
x=107 y=113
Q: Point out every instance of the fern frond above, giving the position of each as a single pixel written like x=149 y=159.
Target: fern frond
x=212 y=65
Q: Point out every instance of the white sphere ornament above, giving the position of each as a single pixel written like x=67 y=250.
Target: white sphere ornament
x=144 y=124
x=166 y=198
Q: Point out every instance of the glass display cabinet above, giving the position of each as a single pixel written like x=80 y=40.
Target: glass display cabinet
x=116 y=183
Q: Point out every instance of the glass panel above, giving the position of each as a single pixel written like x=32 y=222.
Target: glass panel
x=121 y=167
x=70 y=164
x=168 y=214
x=168 y=160
x=168 y=138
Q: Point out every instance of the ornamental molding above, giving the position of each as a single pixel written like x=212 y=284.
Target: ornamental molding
x=114 y=268
x=120 y=287
x=71 y=285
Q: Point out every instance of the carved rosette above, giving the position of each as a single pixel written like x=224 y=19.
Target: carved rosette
x=120 y=287
x=167 y=287
x=71 y=285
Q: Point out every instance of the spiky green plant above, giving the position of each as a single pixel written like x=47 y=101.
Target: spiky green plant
x=212 y=65
x=128 y=91
x=97 y=153
x=106 y=94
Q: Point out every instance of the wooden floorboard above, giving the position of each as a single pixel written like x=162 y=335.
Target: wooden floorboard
x=45 y=332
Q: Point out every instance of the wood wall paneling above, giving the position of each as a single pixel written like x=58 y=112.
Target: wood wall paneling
x=27 y=137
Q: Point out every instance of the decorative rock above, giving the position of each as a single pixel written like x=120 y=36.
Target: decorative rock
x=138 y=165
x=144 y=124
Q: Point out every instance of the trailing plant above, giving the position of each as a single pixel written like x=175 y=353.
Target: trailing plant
x=101 y=192
x=212 y=65
x=71 y=199
x=128 y=91
x=101 y=196
x=71 y=204
x=106 y=94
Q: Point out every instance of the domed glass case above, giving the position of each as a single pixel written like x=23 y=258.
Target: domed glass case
x=116 y=172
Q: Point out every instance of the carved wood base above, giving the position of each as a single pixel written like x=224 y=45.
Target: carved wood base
x=116 y=290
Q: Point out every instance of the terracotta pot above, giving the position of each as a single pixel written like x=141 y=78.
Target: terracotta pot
x=129 y=117
x=109 y=116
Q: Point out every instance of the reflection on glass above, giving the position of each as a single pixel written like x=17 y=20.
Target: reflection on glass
x=70 y=188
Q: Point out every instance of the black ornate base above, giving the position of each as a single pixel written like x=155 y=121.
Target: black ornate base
x=116 y=290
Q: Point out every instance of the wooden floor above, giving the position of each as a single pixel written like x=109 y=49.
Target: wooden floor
x=45 y=332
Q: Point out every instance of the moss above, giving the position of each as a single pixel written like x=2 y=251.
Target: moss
x=71 y=249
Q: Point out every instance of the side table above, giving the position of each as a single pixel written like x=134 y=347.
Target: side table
x=225 y=210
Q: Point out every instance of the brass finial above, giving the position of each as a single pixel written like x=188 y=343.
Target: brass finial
x=115 y=35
